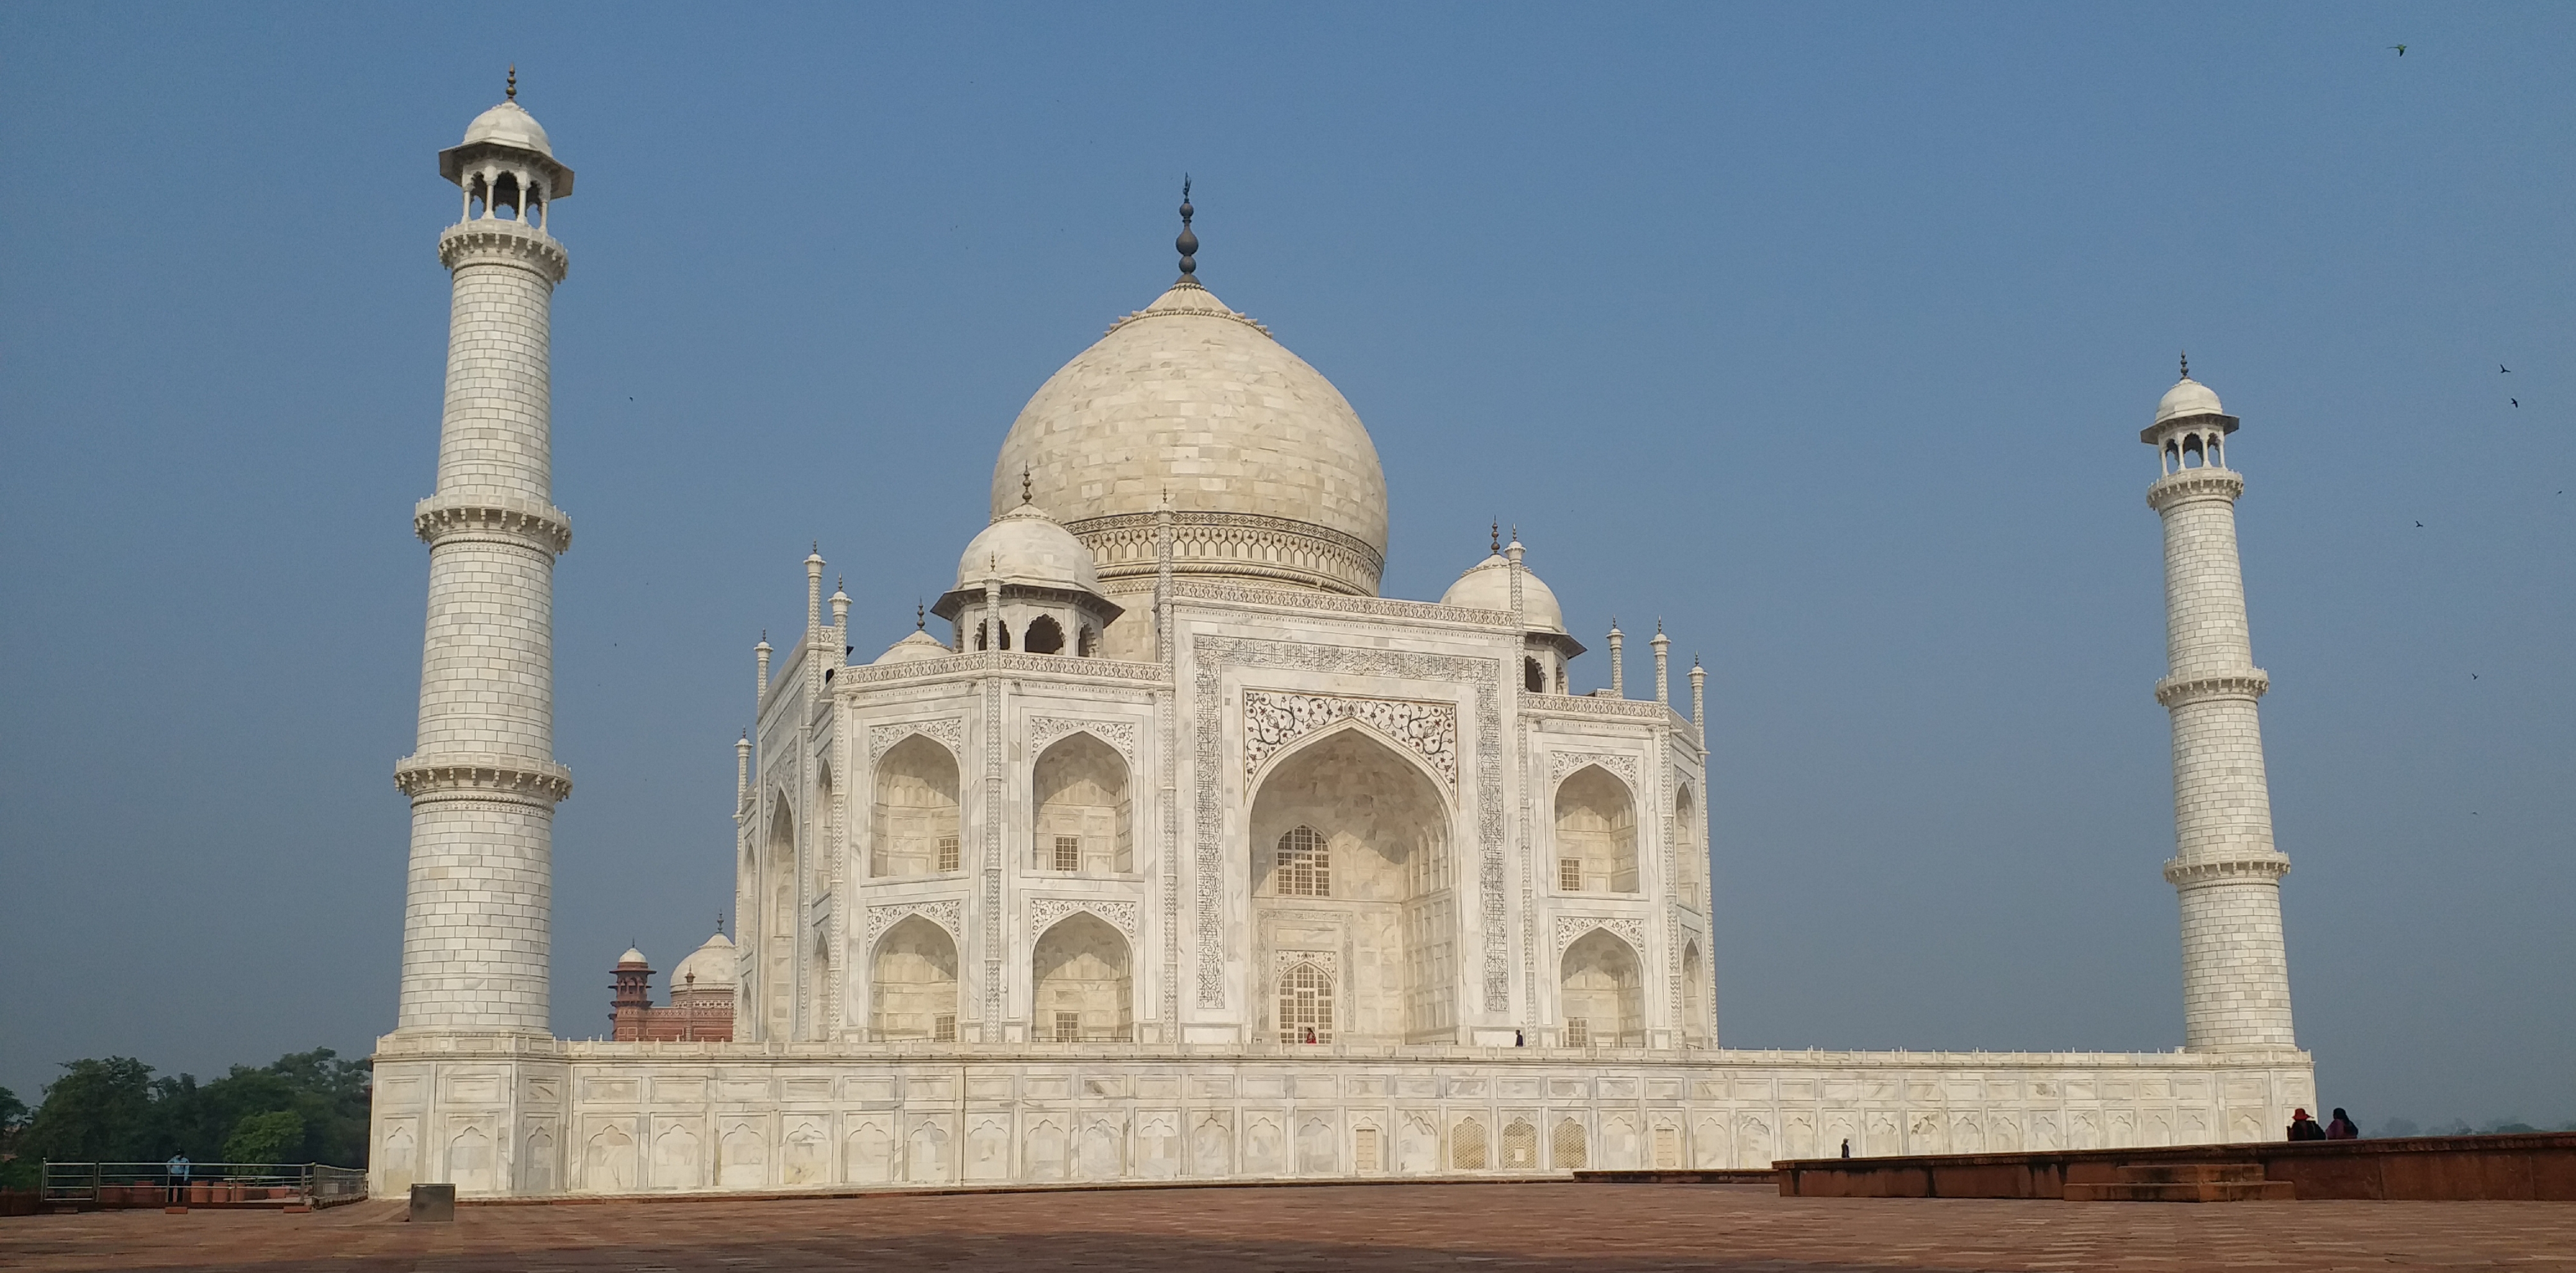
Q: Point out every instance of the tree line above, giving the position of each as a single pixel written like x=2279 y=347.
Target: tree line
x=305 y=1107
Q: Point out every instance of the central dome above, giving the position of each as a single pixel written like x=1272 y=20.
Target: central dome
x=1271 y=475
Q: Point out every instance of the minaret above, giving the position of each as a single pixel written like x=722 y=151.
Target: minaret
x=482 y=777
x=2235 y=973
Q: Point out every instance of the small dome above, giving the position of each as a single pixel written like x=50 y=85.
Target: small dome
x=913 y=648
x=632 y=956
x=508 y=124
x=1028 y=547
x=1488 y=586
x=711 y=964
x=2188 y=397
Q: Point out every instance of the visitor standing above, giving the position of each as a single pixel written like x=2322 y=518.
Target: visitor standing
x=177 y=1168
x=2303 y=1127
x=2342 y=1127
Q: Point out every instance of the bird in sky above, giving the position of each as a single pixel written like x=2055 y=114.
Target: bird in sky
x=2503 y=370
x=2515 y=401
x=2419 y=525
x=2401 y=49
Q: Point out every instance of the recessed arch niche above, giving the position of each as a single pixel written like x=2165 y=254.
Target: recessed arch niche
x=1596 y=832
x=1603 y=993
x=916 y=810
x=1081 y=985
x=778 y=929
x=1383 y=920
x=1084 y=810
x=912 y=983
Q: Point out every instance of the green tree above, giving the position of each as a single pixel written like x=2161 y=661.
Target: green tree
x=277 y=1136
x=100 y=1110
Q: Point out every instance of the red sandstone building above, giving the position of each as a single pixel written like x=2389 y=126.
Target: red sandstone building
x=701 y=1007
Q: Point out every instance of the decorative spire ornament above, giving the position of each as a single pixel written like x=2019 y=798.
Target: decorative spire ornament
x=1188 y=243
x=511 y=92
x=2186 y=364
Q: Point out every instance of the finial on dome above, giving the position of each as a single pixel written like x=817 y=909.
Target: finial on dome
x=920 y=616
x=1188 y=243
x=1024 y=484
x=2186 y=364
x=1498 y=534
x=512 y=91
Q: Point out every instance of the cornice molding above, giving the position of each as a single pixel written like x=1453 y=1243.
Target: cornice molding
x=471 y=776
x=1234 y=545
x=2248 y=685
x=492 y=241
x=447 y=518
x=2266 y=869
x=2195 y=484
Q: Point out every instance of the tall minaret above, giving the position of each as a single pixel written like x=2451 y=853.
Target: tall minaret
x=482 y=780
x=2235 y=973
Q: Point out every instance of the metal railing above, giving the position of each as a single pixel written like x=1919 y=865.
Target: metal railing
x=152 y=1184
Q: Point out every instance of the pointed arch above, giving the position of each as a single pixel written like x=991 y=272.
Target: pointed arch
x=1602 y=992
x=1082 y=989
x=1349 y=849
x=916 y=814
x=1044 y=636
x=912 y=983
x=1596 y=831
x=1084 y=807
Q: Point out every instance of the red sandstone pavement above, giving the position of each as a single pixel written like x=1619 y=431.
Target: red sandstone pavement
x=1601 y=1228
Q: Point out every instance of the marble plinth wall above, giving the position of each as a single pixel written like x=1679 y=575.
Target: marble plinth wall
x=526 y=1118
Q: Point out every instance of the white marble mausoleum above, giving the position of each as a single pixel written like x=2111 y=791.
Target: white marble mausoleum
x=1182 y=853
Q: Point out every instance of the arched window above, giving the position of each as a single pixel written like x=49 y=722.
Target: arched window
x=1533 y=676
x=1520 y=1146
x=2173 y=455
x=1467 y=1146
x=1044 y=636
x=1568 y=1146
x=1088 y=646
x=505 y=193
x=2191 y=454
x=1305 y=1005
x=1305 y=864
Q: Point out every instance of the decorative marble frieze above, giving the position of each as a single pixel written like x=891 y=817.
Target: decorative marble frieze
x=1043 y=731
x=1562 y=763
x=1047 y=912
x=1272 y=721
x=948 y=731
x=942 y=911
x=1571 y=928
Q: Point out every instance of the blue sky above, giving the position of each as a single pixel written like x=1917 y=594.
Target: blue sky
x=1822 y=332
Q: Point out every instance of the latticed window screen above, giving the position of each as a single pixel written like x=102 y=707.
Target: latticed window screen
x=1568 y=1147
x=948 y=853
x=1364 y=1151
x=1305 y=865
x=1569 y=874
x=1520 y=1146
x=943 y=1028
x=1578 y=1032
x=1068 y=853
x=1668 y=1148
x=1467 y=1146
x=1305 y=1005
x=1068 y=1027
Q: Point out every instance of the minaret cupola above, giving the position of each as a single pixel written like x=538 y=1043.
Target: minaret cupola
x=2190 y=429
x=505 y=165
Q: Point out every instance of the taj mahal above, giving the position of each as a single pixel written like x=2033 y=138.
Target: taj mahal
x=1173 y=850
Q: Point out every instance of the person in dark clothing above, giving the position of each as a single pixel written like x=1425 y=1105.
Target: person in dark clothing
x=2342 y=1128
x=2303 y=1127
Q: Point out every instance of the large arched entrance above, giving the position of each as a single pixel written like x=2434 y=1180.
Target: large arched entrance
x=1352 y=901
x=1081 y=991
